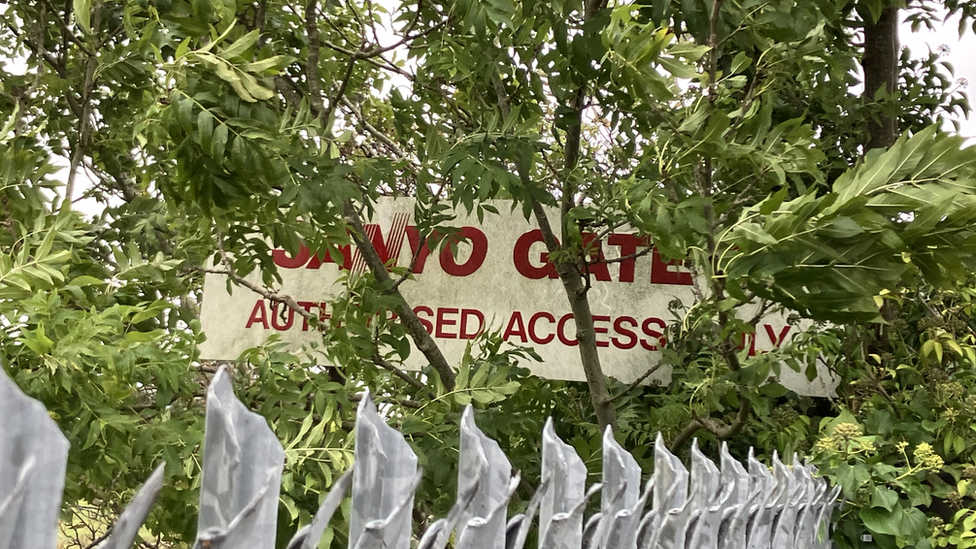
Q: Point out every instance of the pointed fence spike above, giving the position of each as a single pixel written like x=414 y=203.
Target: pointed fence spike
x=670 y=479
x=242 y=464
x=734 y=475
x=564 y=529
x=33 y=457
x=621 y=504
x=131 y=520
x=308 y=536
x=567 y=473
x=727 y=507
x=384 y=481
x=706 y=494
x=482 y=461
x=705 y=478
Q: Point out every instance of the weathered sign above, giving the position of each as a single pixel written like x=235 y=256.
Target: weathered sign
x=498 y=279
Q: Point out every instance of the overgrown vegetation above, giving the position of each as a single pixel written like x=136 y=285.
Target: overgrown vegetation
x=211 y=132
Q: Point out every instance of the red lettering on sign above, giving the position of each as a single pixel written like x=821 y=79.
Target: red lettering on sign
x=427 y=311
x=628 y=244
x=657 y=337
x=662 y=273
x=777 y=340
x=282 y=321
x=479 y=250
x=619 y=328
x=258 y=314
x=561 y=331
x=443 y=322
x=750 y=340
x=520 y=257
x=465 y=314
x=283 y=260
x=344 y=255
x=388 y=249
x=315 y=262
x=308 y=260
x=516 y=327
x=532 y=333
x=597 y=330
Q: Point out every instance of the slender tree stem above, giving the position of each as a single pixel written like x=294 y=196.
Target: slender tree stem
x=418 y=333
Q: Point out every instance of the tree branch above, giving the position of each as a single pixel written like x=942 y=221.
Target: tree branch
x=314 y=51
x=341 y=92
x=412 y=381
x=880 y=64
x=716 y=427
x=84 y=121
x=637 y=382
x=418 y=333
x=268 y=294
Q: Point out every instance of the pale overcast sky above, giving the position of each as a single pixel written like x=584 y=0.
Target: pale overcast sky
x=962 y=55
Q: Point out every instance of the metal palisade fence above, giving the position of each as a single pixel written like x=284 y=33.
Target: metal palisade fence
x=729 y=506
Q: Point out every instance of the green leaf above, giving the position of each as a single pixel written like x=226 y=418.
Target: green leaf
x=182 y=49
x=219 y=144
x=740 y=62
x=274 y=62
x=205 y=122
x=884 y=498
x=754 y=232
x=882 y=521
x=842 y=227
x=82 y=11
x=677 y=68
x=241 y=44
x=256 y=90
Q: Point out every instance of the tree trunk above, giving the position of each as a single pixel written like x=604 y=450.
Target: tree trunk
x=880 y=65
x=579 y=304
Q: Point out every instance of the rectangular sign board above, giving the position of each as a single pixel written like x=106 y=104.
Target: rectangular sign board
x=498 y=279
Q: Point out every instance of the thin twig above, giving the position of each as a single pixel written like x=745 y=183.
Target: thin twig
x=272 y=296
x=413 y=264
x=405 y=402
x=637 y=382
x=386 y=365
x=627 y=257
x=84 y=121
x=372 y=130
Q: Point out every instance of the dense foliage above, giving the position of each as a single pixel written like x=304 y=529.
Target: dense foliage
x=206 y=133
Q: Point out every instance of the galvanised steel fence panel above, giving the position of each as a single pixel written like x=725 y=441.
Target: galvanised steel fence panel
x=709 y=506
x=33 y=456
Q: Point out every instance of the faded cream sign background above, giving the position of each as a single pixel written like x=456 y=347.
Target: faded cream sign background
x=498 y=280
